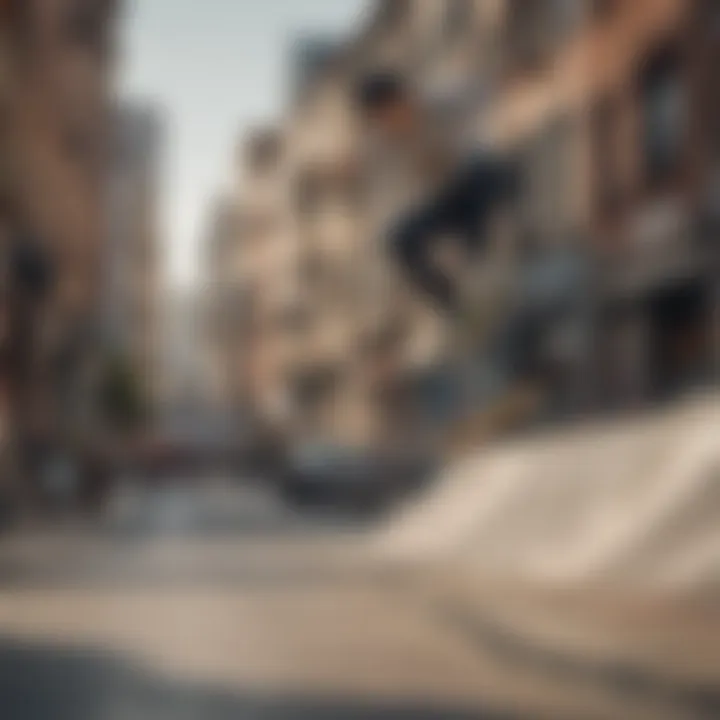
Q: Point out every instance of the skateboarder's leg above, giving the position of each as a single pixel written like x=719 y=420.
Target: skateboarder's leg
x=411 y=246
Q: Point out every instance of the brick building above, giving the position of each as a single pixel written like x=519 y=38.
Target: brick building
x=608 y=106
x=59 y=58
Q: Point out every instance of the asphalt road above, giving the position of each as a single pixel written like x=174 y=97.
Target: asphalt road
x=214 y=602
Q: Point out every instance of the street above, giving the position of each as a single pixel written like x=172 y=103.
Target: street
x=445 y=275
x=215 y=602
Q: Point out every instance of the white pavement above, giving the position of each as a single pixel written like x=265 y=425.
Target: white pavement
x=633 y=503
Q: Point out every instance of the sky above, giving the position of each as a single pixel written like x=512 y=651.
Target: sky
x=212 y=68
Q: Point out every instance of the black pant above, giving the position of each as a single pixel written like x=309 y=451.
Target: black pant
x=461 y=209
x=551 y=286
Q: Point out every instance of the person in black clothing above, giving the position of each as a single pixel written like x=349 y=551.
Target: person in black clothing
x=459 y=190
x=460 y=186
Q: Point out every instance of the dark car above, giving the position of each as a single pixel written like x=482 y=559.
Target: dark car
x=349 y=478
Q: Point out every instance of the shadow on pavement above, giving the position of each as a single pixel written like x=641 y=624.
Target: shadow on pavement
x=48 y=682
x=619 y=678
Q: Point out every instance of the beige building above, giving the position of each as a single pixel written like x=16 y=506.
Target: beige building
x=442 y=49
x=250 y=283
x=337 y=337
x=351 y=349
x=329 y=232
x=224 y=308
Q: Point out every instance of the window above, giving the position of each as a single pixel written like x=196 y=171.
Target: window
x=349 y=187
x=547 y=198
x=664 y=115
x=714 y=125
x=264 y=150
x=85 y=25
x=557 y=186
x=534 y=30
x=260 y=226
x=309 y=194
x=704 y=37
x=295 y=318
x=604 y=9
x=565 y=18
x=458 y=17
x=524 y=33
x=606 y=117
x=709 y=14
x=313 y=269
x=395 y=13
x=79 y=145
x=16 y=16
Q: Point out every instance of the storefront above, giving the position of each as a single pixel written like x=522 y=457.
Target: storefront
x=657 y=330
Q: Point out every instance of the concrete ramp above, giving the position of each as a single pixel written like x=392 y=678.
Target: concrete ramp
x=633 y=501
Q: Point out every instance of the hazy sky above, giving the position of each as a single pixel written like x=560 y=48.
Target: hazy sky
x=213 y=67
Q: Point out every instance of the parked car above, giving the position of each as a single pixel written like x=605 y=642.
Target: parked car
x=264 y=455
x=351 y=479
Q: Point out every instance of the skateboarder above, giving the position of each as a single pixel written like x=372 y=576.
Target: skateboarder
x=458 y=191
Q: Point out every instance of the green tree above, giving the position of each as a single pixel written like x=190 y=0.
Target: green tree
x=122 y=398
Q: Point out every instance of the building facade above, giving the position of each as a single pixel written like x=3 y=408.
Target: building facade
x=58 y=63
x=337 y=340
x=133 y=279
x=610 y=111
x=607 y=105
x=225 y=309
